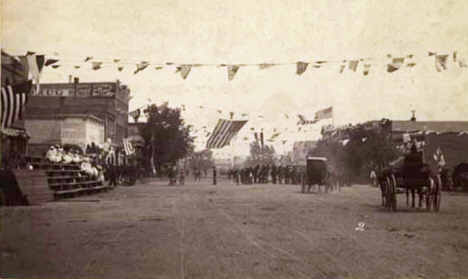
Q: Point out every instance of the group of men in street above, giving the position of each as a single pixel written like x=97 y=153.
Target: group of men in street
x=262 y=174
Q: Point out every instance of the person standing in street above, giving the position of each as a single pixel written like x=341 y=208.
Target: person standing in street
x=214 y=175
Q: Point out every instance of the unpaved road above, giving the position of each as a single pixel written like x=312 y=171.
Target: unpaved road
x=228 y=231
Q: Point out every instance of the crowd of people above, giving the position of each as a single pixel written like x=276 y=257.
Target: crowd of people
x=89 y=164
x=262 y=174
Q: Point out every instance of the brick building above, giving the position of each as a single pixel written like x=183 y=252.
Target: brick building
x=78 y=113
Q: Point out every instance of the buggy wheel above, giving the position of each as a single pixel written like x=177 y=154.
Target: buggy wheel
x=394 y=193
x=429 y=194
x=388 y=189
x=437 y=194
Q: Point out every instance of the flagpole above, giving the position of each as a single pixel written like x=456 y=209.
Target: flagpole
x=333 y=116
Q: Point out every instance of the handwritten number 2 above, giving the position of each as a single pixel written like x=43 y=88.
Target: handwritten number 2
x=360 y=227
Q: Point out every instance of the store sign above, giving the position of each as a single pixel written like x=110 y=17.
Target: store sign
x=80 y=90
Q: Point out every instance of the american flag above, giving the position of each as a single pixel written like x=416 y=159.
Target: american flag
x=324 y=113
x=128 y=146
x=135 y=113
x=224 y=132
x=111 y=160
x=14 y=97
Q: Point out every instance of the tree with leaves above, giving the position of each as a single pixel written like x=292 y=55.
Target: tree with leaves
x=202 y=160
x=352 y=156
x=261 y=156
x=166 y=138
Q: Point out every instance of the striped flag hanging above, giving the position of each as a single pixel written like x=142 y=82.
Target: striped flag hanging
x=14 y=97
x=128 y=146
x=110 y=158
x=224 y=132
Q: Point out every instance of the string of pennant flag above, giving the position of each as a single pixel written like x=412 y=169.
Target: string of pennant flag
x=441 y=63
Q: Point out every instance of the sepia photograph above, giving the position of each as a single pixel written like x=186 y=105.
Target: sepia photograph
x=234 y=139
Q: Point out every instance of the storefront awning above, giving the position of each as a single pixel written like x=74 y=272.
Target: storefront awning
x=12 y=132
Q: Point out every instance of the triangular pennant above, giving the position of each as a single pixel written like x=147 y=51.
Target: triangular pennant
x=116 y=60
x=395 y=65
x=120 y=69
x=97 y=65
x=301 y=67
x=366 y=69
x=462 y=63
x=353 y=65
x=140 y=67
x=33 y=68
x=232 y=70
x=55 y=66
x=40 y=62
x=184 y=70
x=342 y=67
x=87 y=59
x=441 y=62
x=219 y=111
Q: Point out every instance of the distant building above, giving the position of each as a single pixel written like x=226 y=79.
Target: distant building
x=78 y=113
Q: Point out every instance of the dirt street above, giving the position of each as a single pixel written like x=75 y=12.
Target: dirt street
x=234 y=231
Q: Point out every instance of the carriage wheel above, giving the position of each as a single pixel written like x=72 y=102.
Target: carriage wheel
x=430 y=194
x=437 y=194
x=388 y=189
x=394 y=193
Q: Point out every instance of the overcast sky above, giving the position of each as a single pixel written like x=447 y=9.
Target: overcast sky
x=248 y=32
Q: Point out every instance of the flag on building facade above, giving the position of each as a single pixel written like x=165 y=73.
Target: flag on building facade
x=135 y=114
x=324 y=113
x=224 y=132
x=128 y=146
x=111 y=159
x=14 y=98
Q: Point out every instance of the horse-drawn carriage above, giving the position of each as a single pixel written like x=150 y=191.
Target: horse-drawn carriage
x=316 y=173
x=410 y=174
